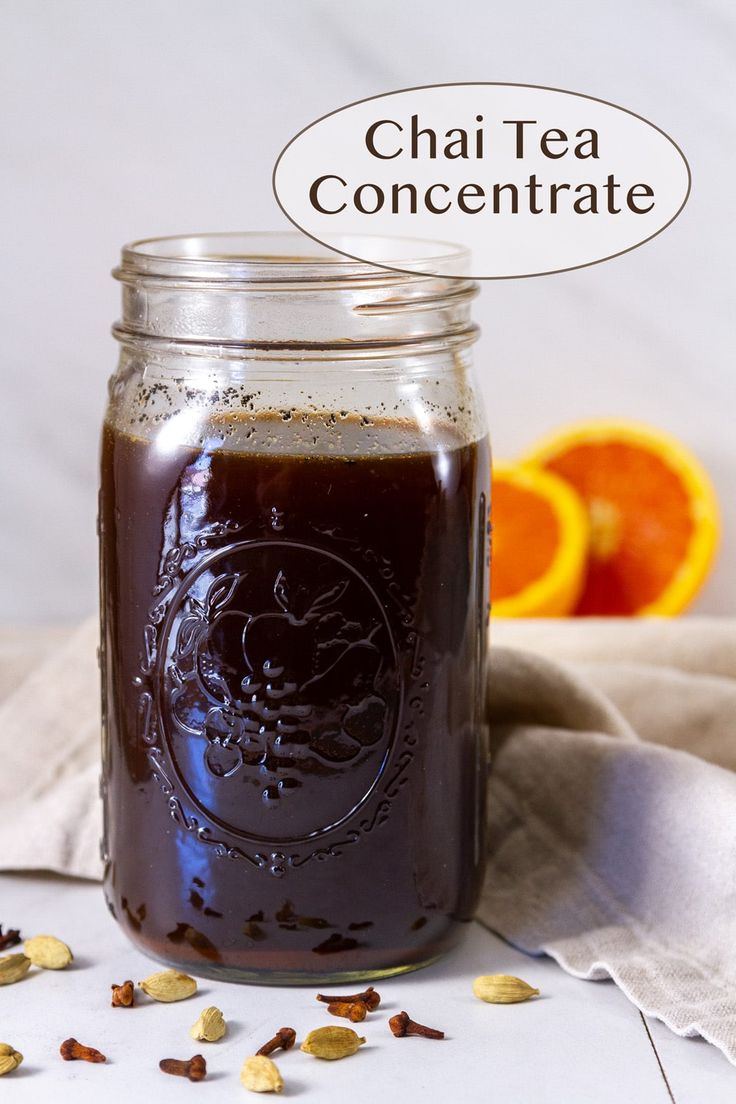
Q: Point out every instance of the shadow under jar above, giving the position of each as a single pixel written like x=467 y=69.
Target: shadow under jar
x=294 y=593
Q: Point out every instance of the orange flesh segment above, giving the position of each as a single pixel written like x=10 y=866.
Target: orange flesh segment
x=525 y=538
x=649 y=523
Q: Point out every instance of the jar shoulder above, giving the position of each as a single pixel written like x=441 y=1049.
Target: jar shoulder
x=322 y=407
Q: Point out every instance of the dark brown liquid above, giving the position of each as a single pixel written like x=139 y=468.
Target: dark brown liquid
x=294 y=759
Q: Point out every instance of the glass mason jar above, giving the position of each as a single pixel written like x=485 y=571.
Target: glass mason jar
x=294 y=593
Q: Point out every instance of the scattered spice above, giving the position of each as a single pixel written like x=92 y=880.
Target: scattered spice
x=210 y=1026
x=10 y=1059
x=136 y=918
x=169 y=985
x=254 y=931
x=195 y=1069
x=13 y=967
x=286 y=912
x=123 y=996
x=369 y=997
x=11 y=938
x=355 y=1011
x=332 y=1042
x=284 y=1039
x=402 y=1025
x=48 y=952
x=72 y=1051
x=502 y=989
x=197 y=940
x=336 y=944
x=260 y=1074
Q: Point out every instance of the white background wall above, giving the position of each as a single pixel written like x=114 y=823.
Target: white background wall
x=129 y=118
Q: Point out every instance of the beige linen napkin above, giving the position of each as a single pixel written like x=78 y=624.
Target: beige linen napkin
x=612 y=842
x=612 y=835
x=50 y=753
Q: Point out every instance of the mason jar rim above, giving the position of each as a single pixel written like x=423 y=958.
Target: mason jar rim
x=284 y=290
x=248 y=257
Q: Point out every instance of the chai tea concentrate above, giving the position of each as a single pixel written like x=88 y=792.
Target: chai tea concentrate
x=294 y=607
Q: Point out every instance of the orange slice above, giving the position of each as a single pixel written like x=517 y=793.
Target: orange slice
x=540 y=540
x=652 y=509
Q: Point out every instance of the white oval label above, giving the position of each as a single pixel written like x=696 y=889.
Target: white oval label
x=531 y=180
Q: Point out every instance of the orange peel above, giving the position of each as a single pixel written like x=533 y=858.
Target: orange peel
x=653 y=514
x=540 y=542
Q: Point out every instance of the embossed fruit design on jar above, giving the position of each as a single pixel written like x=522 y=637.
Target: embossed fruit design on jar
x=294 y=580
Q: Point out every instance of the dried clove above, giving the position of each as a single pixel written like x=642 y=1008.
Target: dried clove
x=336 y=944
x=402 y=1025
x=369 y=997
x=354 y=1011
x=195 y=1069
x=71 y=1051
x=284 y=1039
x=11 y=938
x=123 y=996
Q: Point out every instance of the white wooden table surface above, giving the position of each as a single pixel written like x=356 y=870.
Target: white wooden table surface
x=578 y=1043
